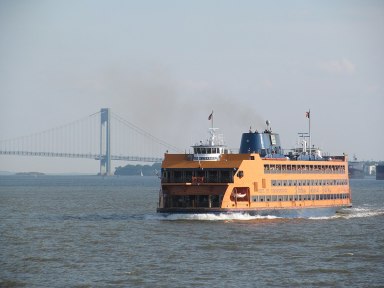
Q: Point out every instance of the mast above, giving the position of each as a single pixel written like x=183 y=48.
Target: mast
x=308 y=114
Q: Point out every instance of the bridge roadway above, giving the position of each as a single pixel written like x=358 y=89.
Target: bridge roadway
x=87 y=156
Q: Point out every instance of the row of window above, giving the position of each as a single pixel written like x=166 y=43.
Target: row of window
x=277 y=198
x=307 y=182
x=197 y=175
x=300 y=169
x=207 y=150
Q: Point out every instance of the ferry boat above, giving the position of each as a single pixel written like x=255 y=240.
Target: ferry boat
x=260 y=179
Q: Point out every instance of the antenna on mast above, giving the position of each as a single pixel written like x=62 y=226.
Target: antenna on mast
x=268 y=123
x=308 y=115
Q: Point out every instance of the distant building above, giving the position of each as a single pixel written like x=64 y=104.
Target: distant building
x=380 y=172
x=370 y=170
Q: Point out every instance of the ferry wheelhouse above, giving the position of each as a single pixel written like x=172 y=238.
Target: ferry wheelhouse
x=261 y=179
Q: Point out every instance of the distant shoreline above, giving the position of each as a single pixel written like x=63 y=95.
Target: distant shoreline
x=29 y=174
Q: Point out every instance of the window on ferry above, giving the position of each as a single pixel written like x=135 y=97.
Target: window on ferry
x=200 y=173
x=188 y=176
x=177 y=174
x=213 y=176
x=165 y=176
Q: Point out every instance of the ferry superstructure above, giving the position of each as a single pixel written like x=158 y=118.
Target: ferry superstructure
x=261 y=179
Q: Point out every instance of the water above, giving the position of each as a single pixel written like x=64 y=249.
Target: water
x=67 y=231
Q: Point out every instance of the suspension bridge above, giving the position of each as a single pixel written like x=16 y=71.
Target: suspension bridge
x=102 y=136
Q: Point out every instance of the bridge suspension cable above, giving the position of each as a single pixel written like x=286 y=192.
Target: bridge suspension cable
x=145 y=133
x=79 y=138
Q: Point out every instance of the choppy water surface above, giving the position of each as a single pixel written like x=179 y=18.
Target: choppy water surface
x=66 y=231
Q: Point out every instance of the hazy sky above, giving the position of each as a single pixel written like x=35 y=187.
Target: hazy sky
x=165 y=65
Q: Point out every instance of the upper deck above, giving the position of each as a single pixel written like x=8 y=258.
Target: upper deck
x=260 y=153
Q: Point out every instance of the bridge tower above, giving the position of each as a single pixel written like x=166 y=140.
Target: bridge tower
x=105 y=142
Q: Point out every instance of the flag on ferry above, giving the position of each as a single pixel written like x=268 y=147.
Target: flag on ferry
x=307 y=114
x=210 y=116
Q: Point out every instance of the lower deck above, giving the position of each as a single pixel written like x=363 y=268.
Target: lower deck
x=234 y=196
x=256 y=201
